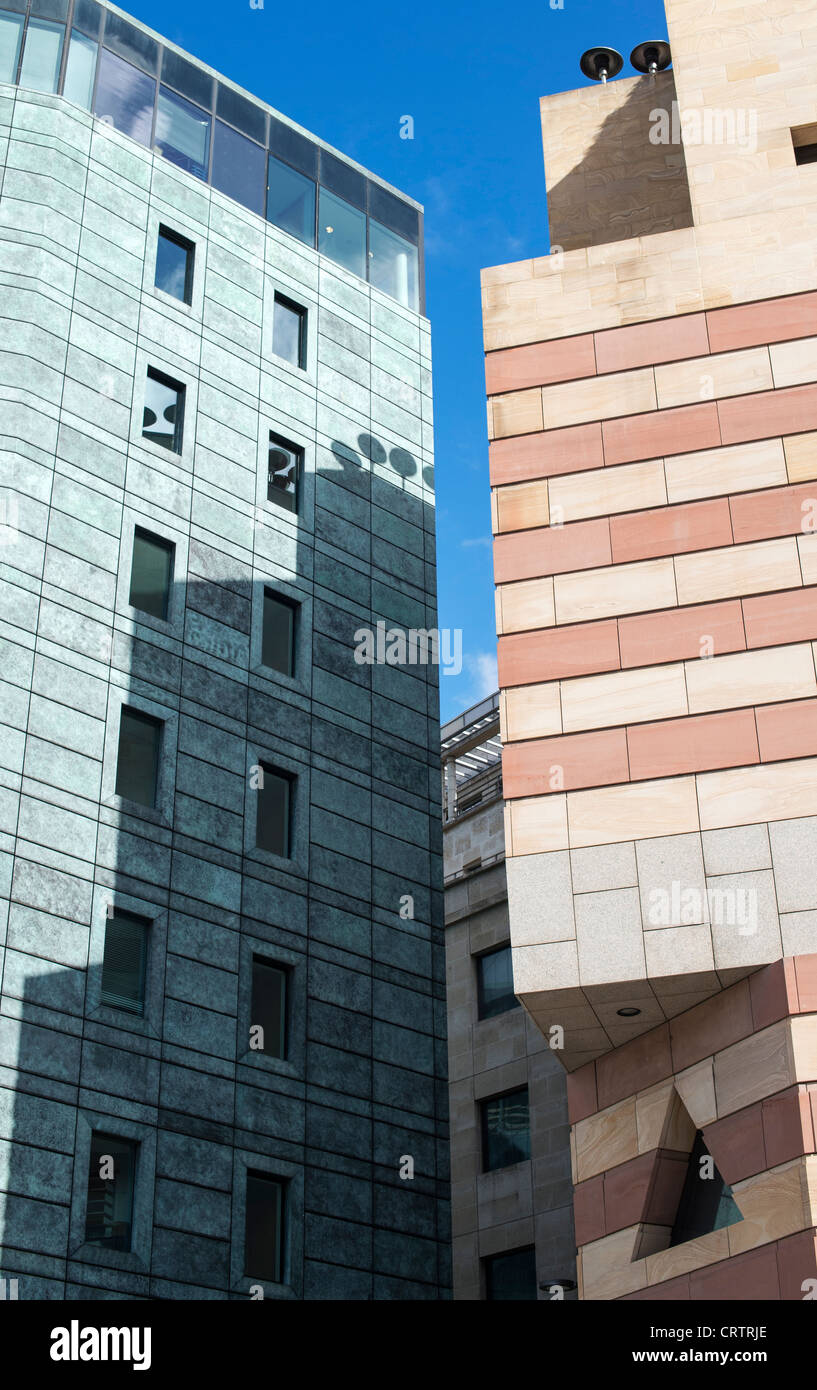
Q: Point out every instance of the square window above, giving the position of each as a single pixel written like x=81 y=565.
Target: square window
x=291 y=201
x=289 y=331
x=124 y=961
x=264 y=1227
x=151 y=573
x=175 y=256
x=495 y=983
x=511 y=1276
x=163 y=420
x=268 y=1011
x=278 y=634
x=111 y=1171
x=505 y=1130
x=272 y=828
x=284 y=472
x=137 y=764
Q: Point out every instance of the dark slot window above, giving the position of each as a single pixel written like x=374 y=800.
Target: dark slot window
x=137 y=764
x=505 y=1130
x=278 y=636
x=124 y=962
x=163 y=419
x=495 y=983
x=283 y=477
x=511 y=1276
x=706 y=1203
x=175 y=258
x=805 y=154
x=109 y=1212
x=182 y=133
x=125 y=97
x=151 y=573
x=291 y=201
x=269 y=1007
x=289 y=331
x=238 y=168
x=272 y=831
x=264 y=1228
x=804 y=139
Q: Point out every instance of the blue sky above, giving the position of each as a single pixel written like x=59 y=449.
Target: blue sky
x=470 y=75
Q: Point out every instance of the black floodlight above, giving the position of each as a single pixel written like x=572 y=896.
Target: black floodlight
x=600 y=63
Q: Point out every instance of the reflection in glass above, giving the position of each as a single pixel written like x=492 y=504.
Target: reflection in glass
x=342 y=233
x=288 y=331
x=174 y=265
x=41 y=57
x=124 y=97
x=291 y=201
x=11 y=27
x=137 y=763
x=495 y=983
x=284 y=470
x=238 y=168
x=393 y=265
x=182 y=133
x=79 y=70
x=164 y=411
x=109 y=1209
x=505 y=1130
x=151 y=573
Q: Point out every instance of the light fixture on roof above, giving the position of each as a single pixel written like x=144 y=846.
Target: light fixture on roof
x=651 y=57
x=629 y=1012
x=600 y=63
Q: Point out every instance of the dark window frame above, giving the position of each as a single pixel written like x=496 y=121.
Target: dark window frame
x=114 y=1242
x=290 y=779
x=489 y=1265
x=136 y=1010
x=185 y=244
x=293 y=606
x=482 y=1012
x=302 y=313
x=159 y=724
x=274 y=494
x=155 y=374
x=485 y=1138
x=272 y=1180
x=285 y=970
x=161 y=542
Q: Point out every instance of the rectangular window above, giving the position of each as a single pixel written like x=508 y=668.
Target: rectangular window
x=124 y=961
x=291 y=201
x=264 y=1228
x=42 y=55
x=137 y=764
x=804 y=139
x=182 y=133
x=79 y=70
x=393 y=265
x=175 y=258
x=151 y=573
x=505 y=1130
x=495 y=983
x=163 y=419
x=342 y=233
x=269 y=1008
x=284 y=472
x=125 y=96
x=511 y=1276
x=111 y=1172
x=238 y=168
x=272 y=829
x=289 y=331
x=11 y=29
x=278 y=635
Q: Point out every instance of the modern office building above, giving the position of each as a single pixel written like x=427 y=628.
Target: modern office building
x=222 y=1027
x=511 y=1191
x=652 y=390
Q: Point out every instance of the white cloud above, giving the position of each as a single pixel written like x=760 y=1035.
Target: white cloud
x=487 y=541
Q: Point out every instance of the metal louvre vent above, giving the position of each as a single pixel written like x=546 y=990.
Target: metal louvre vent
x=123 y=965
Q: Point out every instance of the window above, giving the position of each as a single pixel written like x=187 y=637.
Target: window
x=163 y=420
x=42 y=54
x=151 y=573
x=175 y=256
x=11 y=28
x=238 y=168
x=706 y=1202
x=342 y=233
x=289 y=331
x=264 y=1227
x=285 y=462
x=505 y=1130
x=393 y=265
x=125 y=96
x=495 y=983
x=804 y=139
x=182 y=133
x=137 y=765
x=291 y=201
x=109 y=1213
x=278 y=635
x=269 y=1008
x=123 y=962
x=79 y=70
x=511 y=1276
x=272 y=830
